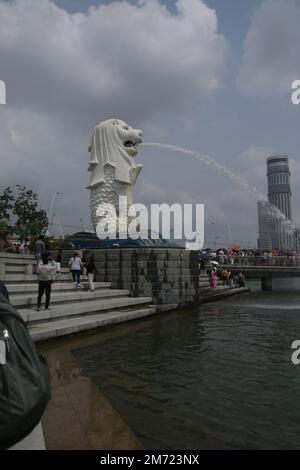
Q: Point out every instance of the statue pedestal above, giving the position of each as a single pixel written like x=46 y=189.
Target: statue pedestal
x=169 y=276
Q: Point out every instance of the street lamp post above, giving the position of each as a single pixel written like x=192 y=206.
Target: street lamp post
x=228 y=234
x=51 y=215
x=228 y=231
x=216 y=238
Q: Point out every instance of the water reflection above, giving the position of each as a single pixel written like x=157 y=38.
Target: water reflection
x=59 y=373
x=220 y=377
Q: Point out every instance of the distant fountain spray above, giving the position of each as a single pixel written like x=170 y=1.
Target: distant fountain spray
x=252 y=190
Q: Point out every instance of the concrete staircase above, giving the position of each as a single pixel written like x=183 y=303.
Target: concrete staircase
x=71 y=309
x=209 y=294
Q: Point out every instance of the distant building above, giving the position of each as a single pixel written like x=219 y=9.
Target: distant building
x=279 y=187
x=265 y=241
x=297 y=239
x=276 y=231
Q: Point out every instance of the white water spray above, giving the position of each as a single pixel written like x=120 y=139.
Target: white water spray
x=252 y=190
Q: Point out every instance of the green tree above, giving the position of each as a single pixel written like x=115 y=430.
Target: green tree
x=6 y=205
x=5 y=229
x=31 y=221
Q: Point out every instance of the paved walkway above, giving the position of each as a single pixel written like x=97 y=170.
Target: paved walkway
x=79 y=416
x=34 y=441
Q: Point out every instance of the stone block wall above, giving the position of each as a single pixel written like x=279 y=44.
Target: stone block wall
x=169 y=276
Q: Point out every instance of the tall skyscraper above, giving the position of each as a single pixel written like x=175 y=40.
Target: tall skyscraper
x=279 y=188
x=276 y=231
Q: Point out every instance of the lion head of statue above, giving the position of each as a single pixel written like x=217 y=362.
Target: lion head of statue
x=114 y=143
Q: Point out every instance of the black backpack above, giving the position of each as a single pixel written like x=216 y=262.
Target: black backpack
x=24 y=382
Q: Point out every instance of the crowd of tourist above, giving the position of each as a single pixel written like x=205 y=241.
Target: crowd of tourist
x=22 y=247
x=226 y=278
x=219 y=262
x=48 y=268
x=248 y=258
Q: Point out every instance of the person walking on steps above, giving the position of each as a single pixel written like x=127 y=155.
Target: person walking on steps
x=46 y=268
x=91 y=271
x=75 y=265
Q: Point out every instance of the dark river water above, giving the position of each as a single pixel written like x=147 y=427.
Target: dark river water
x=218 y=378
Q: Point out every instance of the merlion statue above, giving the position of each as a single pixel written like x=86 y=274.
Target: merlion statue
x=112 y=165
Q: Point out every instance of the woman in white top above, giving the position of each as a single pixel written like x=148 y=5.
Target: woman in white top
x=75 y=265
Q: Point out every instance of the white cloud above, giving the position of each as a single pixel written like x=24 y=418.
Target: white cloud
x=251 y=164
x=65 y=72
x=147 y=192
x=139 y=59
x=271 y=50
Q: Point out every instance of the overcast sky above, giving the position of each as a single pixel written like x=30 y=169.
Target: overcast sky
x=213 y=76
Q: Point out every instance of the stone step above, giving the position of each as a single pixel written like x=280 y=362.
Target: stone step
x=223 y=293
x=220 y=284
x=30 y=300
x=205 y=289
x=30 y=277
x=15 y=268
x=214 y=292
x=217 y=289
x=68 y=326
x=72 y=309
x=21 y=289
x=16 y=258
x=64 y=270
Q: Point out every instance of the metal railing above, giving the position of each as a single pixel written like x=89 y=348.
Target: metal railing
x=276 y=261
